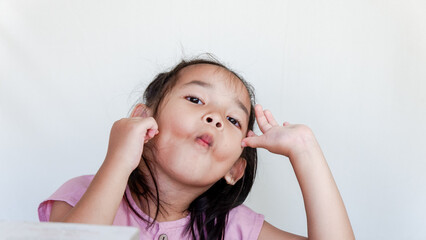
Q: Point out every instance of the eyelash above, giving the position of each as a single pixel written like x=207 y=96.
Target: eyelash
x=236 y=122
x=196 y=100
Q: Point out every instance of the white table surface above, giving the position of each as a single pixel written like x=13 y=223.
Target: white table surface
x=16 y=230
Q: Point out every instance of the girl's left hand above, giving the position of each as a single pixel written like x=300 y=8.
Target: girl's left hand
x=286 y=139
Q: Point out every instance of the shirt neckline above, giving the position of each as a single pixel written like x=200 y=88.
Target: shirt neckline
x=169 y=224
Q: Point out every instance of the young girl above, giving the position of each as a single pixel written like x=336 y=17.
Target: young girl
x=184 y=162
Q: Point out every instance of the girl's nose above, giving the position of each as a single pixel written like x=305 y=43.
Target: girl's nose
x=214 y=120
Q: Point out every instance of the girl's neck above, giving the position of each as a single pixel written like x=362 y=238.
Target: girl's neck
x=174 y=198
x=167 y=212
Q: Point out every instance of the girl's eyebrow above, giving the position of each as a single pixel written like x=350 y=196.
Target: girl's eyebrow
x=208 y=85
x=241 y=105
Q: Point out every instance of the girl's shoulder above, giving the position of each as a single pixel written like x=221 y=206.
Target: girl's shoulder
x=77 y=183
x=244 y=223
x=70 y=192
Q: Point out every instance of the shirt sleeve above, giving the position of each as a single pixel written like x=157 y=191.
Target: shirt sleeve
x=244 y=223
x=70 y=192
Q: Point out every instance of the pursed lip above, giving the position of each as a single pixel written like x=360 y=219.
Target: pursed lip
x=205 y=140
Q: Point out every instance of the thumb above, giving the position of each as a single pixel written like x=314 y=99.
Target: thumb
x=253 y=142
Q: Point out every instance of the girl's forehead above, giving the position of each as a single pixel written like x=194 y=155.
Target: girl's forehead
x=215 y=77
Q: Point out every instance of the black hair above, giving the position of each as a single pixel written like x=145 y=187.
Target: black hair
x=209 y=211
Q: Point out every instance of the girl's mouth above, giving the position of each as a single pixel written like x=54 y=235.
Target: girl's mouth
x=205 y=140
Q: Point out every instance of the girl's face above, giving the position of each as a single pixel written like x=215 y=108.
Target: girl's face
x=201 y=121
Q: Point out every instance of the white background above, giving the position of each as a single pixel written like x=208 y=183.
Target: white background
x=354 y=71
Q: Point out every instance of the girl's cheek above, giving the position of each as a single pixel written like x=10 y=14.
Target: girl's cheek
x=178 y=127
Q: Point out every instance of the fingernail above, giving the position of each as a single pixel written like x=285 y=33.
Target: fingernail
x=243 y=144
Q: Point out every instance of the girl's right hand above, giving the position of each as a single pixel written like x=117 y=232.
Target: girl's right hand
x=102 y=198
x=127 y=138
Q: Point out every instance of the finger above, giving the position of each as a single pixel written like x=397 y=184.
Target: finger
x=270 y=118
x=150 y=134
x=253 y=142
x=150 y=123
x=250 y=133
x=150 y=126
x=262 y=121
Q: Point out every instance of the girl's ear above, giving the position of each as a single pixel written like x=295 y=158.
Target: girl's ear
x=141 y=110
x=236 y=172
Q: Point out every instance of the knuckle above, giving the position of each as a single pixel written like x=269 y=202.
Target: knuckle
x=119 y=122
x=304 y=129
x=152 y=120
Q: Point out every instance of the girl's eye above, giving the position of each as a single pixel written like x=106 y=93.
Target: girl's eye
x=234 y=121
x=194 y=100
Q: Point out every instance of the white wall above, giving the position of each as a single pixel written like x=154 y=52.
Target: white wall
x=354 y=71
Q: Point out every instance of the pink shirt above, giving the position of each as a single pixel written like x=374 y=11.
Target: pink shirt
x=243 y=223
